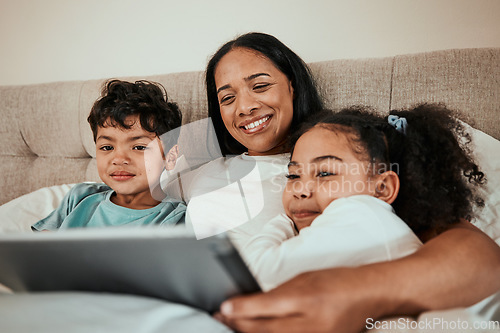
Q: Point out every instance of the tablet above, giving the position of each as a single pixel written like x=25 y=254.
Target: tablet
x=166 y=263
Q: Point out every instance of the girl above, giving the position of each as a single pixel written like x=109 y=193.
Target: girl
x=346 y=171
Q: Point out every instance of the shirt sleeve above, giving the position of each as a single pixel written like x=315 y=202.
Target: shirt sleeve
x=346 y=234
x=176 y=214
x=75 y=195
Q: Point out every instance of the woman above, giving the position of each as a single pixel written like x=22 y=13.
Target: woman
x=341 y=300
x=258 y=92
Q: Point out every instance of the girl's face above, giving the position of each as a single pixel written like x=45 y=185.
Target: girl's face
x=126 y=159
x=323 y=168
x=256 y=101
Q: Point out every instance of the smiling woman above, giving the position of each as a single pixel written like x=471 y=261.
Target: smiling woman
x=256 y=101
x=437 y=276
x=259 y=92
x=254 y=77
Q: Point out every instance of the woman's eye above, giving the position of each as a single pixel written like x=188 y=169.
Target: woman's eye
x=325 y=174
x=226 y=100
x=106 y=148
x=261 y=86
x=292 y=176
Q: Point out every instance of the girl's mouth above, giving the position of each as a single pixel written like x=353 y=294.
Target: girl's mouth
x=257 y=125
x=304 y=213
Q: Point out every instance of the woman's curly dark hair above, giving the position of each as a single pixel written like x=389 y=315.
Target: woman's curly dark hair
x=433 y=160
x=148 y=100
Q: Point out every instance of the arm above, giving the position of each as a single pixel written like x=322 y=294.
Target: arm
x=350 y=232
x=438 y=276
x=72 y=198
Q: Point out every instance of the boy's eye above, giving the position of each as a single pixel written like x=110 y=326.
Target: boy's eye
x=106 y=148
x=292 y=176
x=140 y=147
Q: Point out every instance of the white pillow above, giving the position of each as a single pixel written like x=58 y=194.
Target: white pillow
x=21 y=213
x=486 y=150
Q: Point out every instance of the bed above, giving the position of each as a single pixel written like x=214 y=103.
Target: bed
x=47 y=146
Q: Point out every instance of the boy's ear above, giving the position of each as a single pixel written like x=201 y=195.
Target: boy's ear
x=387 y=186
x=171 y=157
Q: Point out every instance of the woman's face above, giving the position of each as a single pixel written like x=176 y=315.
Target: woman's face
x=256 y=101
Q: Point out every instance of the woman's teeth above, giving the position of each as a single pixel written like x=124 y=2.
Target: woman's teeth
x=256 y=123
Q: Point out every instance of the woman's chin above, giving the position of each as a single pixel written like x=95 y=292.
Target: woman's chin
x=266 y=150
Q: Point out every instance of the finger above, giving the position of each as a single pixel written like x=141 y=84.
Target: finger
x=260 y=305
x=219 y=317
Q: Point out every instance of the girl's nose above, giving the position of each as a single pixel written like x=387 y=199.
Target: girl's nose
x=304 y=190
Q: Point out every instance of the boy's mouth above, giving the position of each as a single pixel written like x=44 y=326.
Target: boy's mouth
x=122 y=175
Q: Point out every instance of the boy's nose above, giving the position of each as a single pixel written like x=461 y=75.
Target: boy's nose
x=120 y=158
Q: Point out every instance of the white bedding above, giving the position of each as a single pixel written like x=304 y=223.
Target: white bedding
x=90 y=312
x=77 y=312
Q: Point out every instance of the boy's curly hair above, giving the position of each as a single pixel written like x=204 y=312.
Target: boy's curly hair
x=433 y=160
x=148 y=100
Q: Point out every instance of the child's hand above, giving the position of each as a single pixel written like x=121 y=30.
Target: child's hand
x=171 y=158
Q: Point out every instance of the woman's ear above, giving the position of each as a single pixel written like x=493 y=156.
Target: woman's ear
x=387 y=186
x=290 y=87
x=171 y=157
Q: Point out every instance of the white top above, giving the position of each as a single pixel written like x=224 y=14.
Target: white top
x=352 y=231
x=238 y=195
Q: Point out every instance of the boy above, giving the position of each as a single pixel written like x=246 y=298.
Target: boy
x=127 y=122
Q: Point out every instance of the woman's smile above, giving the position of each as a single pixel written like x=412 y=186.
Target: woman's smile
x=254 y=126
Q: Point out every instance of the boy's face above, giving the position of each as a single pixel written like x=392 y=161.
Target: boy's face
x=322 y=169
x=126 y=158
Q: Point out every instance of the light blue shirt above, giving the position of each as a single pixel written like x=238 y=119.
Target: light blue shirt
x=89 y=205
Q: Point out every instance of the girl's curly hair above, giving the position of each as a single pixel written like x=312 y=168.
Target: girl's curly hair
x=433 y=160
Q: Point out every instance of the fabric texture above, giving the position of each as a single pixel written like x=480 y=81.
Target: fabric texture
x=467 y=80
x=79 y=312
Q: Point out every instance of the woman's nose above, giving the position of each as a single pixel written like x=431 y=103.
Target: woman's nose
x=247 y=104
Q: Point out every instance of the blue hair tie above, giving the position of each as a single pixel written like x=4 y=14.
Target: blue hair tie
x=400 y=124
